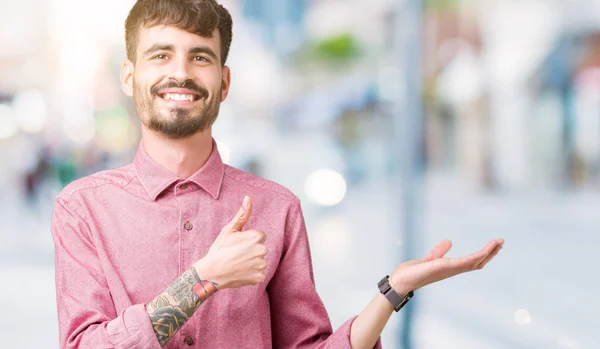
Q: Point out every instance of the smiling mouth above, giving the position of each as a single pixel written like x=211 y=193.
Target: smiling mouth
x=179 y=97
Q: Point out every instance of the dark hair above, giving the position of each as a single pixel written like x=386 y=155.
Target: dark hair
x=200 y=17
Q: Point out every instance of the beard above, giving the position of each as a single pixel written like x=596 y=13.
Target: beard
x=177 y=123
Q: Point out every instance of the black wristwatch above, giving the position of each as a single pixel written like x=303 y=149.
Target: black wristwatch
x=397 y=300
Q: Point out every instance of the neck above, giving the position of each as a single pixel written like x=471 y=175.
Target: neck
x=183 y=157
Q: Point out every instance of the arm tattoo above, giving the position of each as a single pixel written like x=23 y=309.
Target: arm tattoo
x=174 y=307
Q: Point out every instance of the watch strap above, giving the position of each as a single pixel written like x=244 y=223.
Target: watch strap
x=397 y=300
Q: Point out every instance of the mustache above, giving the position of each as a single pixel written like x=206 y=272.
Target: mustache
x=188 y=84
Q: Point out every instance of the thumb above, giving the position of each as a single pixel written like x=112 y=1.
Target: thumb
x=242 y=216
x=440 y=250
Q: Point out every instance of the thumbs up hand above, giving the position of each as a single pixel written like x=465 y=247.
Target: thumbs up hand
x=236 y=257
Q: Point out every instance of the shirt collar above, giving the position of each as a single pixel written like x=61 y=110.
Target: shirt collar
x=155 y=178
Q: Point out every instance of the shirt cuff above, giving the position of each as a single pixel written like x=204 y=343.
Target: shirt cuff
x=133 y=329
x=341 y=337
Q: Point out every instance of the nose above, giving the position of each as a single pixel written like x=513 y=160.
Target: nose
x=180 y=69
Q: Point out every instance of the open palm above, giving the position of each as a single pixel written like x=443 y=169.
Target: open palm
x=415 y=274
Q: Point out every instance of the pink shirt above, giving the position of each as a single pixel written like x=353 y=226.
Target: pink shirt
x=123 y=236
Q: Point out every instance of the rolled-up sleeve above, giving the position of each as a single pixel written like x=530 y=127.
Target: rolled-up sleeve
x=298 y=316
x=86 y=314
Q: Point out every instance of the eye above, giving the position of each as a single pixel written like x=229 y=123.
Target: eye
x=201 y=59
x=160 y=56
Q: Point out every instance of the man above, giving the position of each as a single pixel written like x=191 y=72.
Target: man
x=141 y=249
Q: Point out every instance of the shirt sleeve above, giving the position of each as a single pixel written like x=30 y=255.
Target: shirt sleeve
x=298 y=316
x=86 y=314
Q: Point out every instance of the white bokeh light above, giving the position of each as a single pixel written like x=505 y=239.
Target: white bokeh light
x=31 y=111
x=325 y=187
x=80 y=132
x=8 y=123
x=78 y=122
x=522 y=317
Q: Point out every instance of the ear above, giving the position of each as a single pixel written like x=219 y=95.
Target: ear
x=225 y=83
x=127 y=78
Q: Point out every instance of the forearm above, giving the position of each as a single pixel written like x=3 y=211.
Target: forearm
x=368 y=325
x=173 y=308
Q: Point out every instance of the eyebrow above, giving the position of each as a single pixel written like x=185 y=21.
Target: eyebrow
x=159 y=47
x=168 y=47
x=203 y=49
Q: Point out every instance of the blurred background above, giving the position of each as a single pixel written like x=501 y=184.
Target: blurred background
x=397 y=123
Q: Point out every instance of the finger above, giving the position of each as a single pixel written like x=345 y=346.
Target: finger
x=257 y=237
x=490 y=256
x=479 y=255
x=242 y=216
x=479 y=265
x=260 y=236
x=440 y=250
x=259 y=276
x=262 y=251
x=471 y=261
x=260 y=264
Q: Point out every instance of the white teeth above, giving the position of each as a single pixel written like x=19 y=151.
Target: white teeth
x=178 y=97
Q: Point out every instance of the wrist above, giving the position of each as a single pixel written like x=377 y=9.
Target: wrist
x=397 y=300
x=205 y=271
x=400 y=286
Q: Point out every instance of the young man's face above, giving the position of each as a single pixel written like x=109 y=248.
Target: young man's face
x=177 y=80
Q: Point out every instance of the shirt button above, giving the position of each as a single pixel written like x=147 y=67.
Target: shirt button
x=183 y=187
x=188 y=226
x=189 y=340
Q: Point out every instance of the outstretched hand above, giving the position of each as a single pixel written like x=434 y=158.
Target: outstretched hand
x=412 y=275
